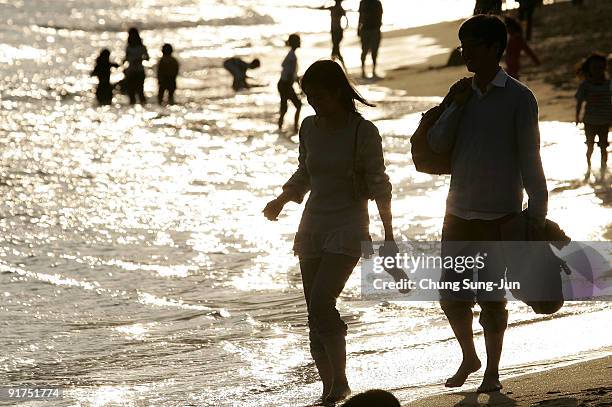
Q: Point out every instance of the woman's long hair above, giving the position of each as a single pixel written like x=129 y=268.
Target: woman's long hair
x=134 y=39
x=329 y=75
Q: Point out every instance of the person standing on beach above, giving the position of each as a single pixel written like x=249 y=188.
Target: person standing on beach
x=285 y=84
x=102 y=70
x=525 y=14
x=167 y=71
x=337 y=31
x=370 y=21
x=238 y=69
x=596 y=92
x=335 y=220
x=491 y=132
x=516 y=44
x=488 y=7
x=135 y=53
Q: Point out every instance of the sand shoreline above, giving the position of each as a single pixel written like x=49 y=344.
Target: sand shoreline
x=580 y=384
x=428 y=76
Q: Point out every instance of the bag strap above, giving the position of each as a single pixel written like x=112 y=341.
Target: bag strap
x=355 y=144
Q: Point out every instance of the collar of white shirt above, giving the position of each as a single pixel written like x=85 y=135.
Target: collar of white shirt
x=499 y=81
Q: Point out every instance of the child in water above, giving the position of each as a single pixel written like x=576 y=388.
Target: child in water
x=285 y=84
x=167 y=71
x=596 y=92
x=102 y=70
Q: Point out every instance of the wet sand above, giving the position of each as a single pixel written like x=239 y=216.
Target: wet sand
x=580 y=384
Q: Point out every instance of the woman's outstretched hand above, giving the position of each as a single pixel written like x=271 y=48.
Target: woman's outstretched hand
x=273 y=209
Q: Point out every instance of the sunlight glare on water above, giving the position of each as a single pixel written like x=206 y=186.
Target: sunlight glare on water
x=134 y=254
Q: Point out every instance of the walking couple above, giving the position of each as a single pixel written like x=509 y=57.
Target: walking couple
x=490 y=124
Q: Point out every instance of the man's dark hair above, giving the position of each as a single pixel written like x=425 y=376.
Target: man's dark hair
x=487 y=28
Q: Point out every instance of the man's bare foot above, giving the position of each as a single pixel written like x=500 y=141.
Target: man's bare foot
x=467 y=367
x=338 y=392
x=490 y=383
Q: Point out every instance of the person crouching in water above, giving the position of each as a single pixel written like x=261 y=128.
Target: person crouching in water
x=167 y=71
x=102 y=70
x=335 y=220
x=285 y=84
x=238 y=69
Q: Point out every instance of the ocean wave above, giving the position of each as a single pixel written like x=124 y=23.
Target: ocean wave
x=249 y=18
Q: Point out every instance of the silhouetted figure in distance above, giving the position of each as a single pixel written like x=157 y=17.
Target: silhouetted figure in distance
x=488 y=7
x=525 y=14
x=370 y=21
x=596 y=92
x=516 y=44
x=337 y=31
x=135 y=53
x=238 y=69
x=285 y=83
x=102 y=70
x=167 y=71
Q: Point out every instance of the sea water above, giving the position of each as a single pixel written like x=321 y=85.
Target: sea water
x=136 y=267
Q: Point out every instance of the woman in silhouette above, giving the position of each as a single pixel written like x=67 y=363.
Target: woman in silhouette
x=285 y=83
x=135 y=53
x=335 y=219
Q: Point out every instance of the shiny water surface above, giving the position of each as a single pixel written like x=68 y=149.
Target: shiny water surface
x=135 y=265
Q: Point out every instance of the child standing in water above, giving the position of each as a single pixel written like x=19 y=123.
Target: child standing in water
x=167 y=71
x=333 y=143
x=285 y=84
x=102 y=70
x=595 y=91
x=516 y=44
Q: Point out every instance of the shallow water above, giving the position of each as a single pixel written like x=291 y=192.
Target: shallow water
x=135 y=265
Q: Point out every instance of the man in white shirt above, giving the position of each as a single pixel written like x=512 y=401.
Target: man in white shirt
x=491 y=131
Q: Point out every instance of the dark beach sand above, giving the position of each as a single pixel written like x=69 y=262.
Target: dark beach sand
x=581 y=384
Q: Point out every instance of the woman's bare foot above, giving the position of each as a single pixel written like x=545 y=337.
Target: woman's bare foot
x=338 y=392
x=490 y=383
x=468 y=366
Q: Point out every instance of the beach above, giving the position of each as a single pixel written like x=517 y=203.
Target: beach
x=136 y=267
x=554 y=82
x=579 y=384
